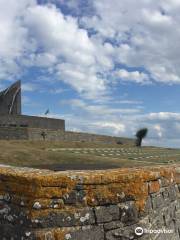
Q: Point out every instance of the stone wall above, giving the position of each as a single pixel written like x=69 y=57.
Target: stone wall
x=13 y=133
x=90 y=205
x=32 y=122
x=36 y=134
x=26 y=133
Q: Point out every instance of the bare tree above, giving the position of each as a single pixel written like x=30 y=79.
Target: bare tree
x=141 y=133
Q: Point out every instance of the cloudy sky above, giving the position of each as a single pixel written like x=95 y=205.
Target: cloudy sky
x=107 y=67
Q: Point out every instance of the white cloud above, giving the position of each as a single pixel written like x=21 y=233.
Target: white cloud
x=164 y=127
x=146 y=34
x=82 y=79
x=29 y=87
x=60 y=33
x=158 y=128
x=90 y=52
x=100 y=109
x=134 y=76
x=156 y=18
x=128 y=102
x=161 y=131
x=68 y=49
x=41 y=36
x=163 y=116
x=13 y=40
x=114 y=128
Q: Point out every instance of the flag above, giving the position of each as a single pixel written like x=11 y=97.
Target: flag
x=46 y=112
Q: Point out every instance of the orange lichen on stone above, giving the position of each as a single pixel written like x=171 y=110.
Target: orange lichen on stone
x=168 y=172
x=36 y=177
x=44 y=235
x=154 y=186
x=64 y=233
x=177 y=175
x=55 y=233
x=61 y=205
x=100 y=186
x=29 y=202
x=130 y=187
x=67 y=210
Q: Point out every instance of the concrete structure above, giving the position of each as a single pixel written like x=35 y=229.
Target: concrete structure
x=14 y=125
x=32 y=122
x=90 y=205
x=10 y=112
x=10 y=99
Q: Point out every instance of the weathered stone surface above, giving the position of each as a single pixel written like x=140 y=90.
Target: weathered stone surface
x=113 y=225
x=77 y=233
x=128 y=213
x=157 y=200
x=147 y=208
x=74 y=197
x=9 y=231
x=158 y=221
x=107 y=214
x=88 y=205
x=154 y=186
x=172 y=192
x=121 y=233
x=10 y=100
x=88 y=233
x=65 y=218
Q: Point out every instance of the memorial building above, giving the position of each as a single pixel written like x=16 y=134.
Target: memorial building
x=10 y=112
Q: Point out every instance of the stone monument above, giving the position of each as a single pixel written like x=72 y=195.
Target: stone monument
x=10 y=99
x=10 y=112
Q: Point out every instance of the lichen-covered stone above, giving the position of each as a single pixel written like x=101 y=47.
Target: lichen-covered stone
x=64 y=218
x=107 y=213
x=128 y=213
x=113 y=225
x=154 y=186
x=88 y=205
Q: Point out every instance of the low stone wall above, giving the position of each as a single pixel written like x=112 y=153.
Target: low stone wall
x=26 y=133
x=89 y=205
x=18 y=133
x=32 y=122
x=36 y=134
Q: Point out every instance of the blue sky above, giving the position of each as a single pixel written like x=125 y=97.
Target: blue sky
x=107 y=67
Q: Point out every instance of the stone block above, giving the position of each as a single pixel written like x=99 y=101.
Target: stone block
x=164 y=182
x=63 y=218
x=158 y=221
x=157 y=200
x=86 y=233
x=107 y=213
x=113 y=225
x=147 y=208
x=123 y=233
x=128 y=213
x=172 y=193
x=154 y=186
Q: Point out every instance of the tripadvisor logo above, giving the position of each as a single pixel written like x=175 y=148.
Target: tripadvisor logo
x=139 y=231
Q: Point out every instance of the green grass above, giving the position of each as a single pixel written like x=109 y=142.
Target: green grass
x=81 y=155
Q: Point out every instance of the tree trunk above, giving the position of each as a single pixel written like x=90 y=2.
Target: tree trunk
x=138 y=142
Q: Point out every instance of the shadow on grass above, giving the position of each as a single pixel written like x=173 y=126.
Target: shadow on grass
x=76 y=166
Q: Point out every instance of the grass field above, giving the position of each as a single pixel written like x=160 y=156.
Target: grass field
x=81 y=155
